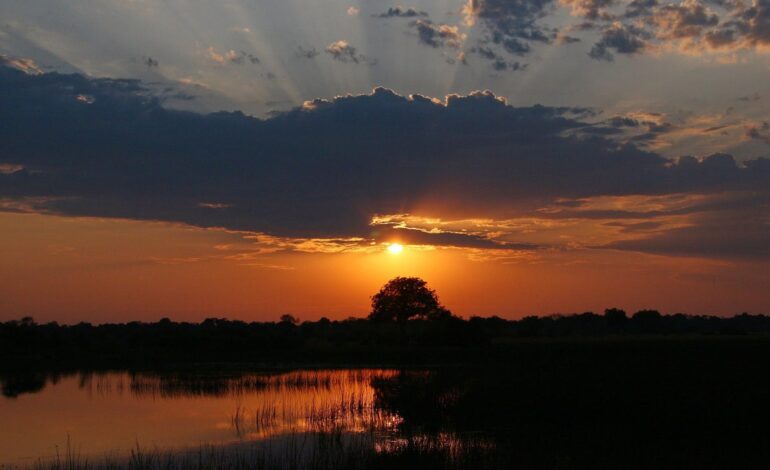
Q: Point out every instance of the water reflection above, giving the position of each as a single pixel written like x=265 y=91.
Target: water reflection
x=108 y=413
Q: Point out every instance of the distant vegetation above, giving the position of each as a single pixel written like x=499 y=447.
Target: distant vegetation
x=407 y=324
x=350 y=341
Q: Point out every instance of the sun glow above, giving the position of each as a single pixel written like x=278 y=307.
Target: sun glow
x=395 y=248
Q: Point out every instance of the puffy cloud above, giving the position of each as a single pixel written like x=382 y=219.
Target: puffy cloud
x=325 y=170
x=697 y=27
x=754 y=22
x=518 y=27
x=687 y=19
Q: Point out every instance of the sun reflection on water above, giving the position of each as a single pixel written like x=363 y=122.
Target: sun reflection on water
x=266 y=404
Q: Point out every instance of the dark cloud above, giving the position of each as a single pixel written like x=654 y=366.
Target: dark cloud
x=753 y=97
x=512 y=18
x=641 y=128
x=690 y=26
x=512 y=25
x=241 y=57
x=401 y=12
x=566 y=39
x=322 y=170
x=639 y=8
x=720 y=39
x=620 y=39
x=499 y=62
x=623 y=121
x=501 y=65
x=413 y=236
x=519 y=27
x=759 y=132
x=635 y=227
x=716 y=128
x=754 y=22
x=486 y=53
x=684 y=20
x=673 y=204
x=303 y=53
x=740 y=232
x=436 y=35
x=342 y=51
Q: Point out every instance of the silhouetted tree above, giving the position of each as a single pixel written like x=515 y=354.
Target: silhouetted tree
x=647 y=321
x=288 y=318
x=616 y=318
x=403 y=298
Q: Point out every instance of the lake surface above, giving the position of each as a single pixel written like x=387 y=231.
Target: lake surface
x=98 y=415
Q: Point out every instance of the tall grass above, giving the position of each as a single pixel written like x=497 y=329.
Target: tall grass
x=313 y=401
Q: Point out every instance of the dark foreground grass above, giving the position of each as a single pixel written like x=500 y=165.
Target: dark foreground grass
x=318 y=451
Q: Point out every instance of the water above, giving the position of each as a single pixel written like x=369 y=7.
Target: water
x=619 y=404
x=108 y=414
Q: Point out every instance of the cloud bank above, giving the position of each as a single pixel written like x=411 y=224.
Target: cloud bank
x=74 y=145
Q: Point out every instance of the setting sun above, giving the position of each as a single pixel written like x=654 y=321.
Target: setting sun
x=395 y=248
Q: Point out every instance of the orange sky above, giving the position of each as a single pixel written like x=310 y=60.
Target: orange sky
x=184 y=160
x=107 y=270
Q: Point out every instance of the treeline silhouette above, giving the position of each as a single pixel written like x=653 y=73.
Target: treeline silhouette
x=445 y=339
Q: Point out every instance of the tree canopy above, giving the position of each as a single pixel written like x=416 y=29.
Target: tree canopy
x=403 y=298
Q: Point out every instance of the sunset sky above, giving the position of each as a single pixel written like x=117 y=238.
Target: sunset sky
x=250 y=158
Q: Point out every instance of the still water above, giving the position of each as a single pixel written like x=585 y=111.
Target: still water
x=108 y=414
